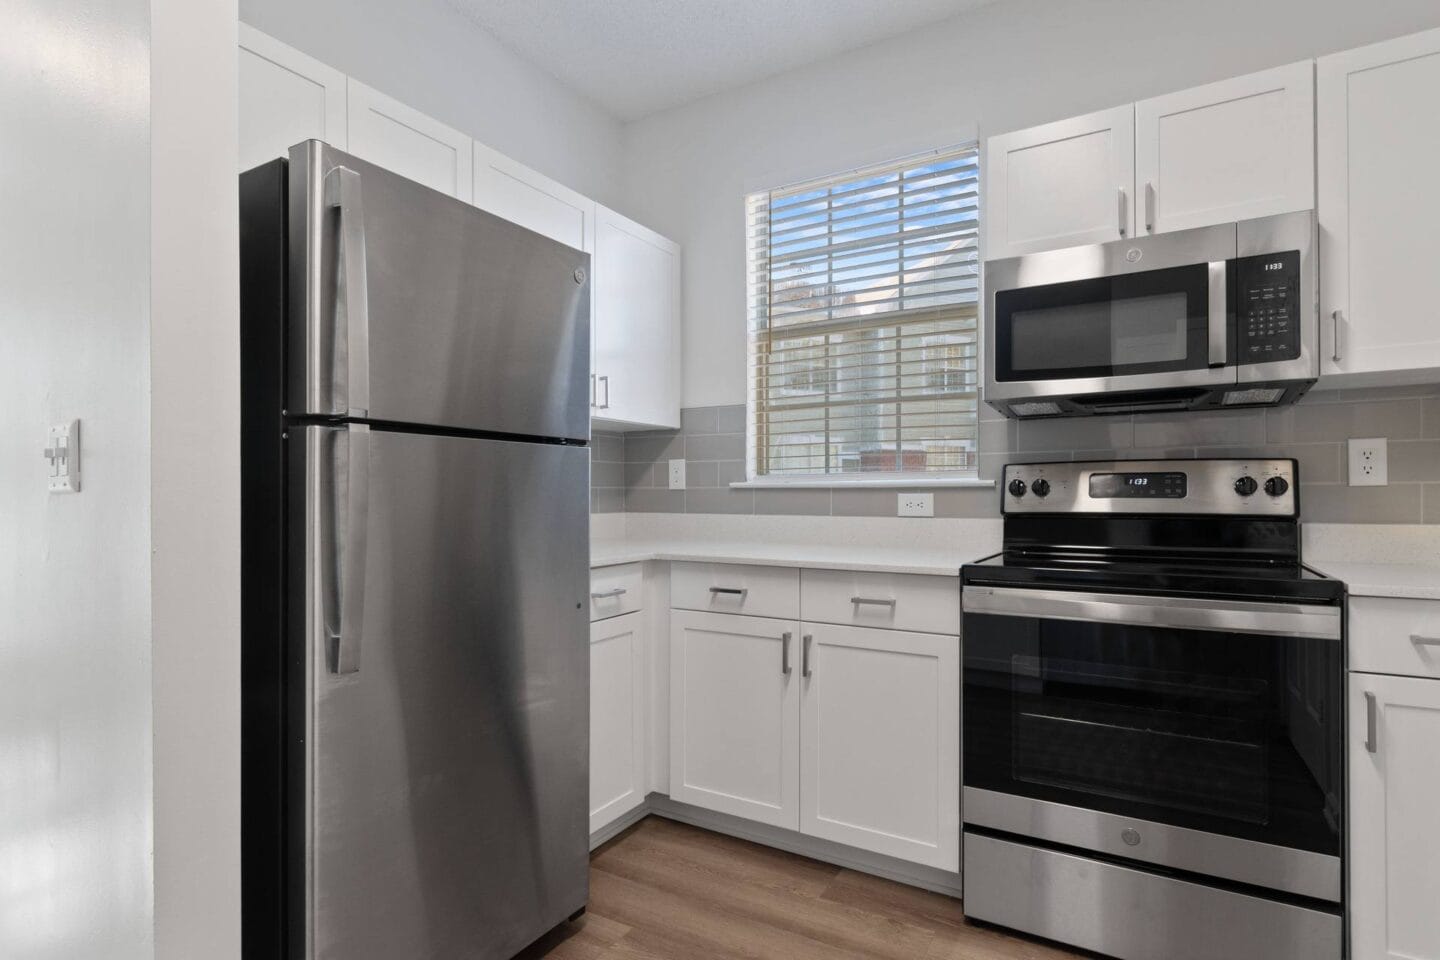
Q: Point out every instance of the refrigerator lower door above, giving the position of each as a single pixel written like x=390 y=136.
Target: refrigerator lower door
x=408 y=306
x=447 y=730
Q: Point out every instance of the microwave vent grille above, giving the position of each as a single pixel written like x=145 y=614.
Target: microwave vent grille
x=1235 y=398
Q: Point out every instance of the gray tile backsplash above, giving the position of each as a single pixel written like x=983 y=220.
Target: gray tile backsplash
x=630 y=470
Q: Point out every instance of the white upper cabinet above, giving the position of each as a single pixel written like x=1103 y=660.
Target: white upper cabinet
x=399 y=138
x=1378 y=114
x=520 y=195
x=1063 y=184
x=285 y=98
x=1394 y=817
x=1233 y=150
x=880 y=741
x=636 y=323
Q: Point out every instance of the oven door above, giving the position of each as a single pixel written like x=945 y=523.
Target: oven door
x=1117 y=318
x=1204 y=735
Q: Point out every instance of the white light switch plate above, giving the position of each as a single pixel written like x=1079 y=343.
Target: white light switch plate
x=917 y=505
x=1369 y=463
x=677 y=474
x=62 y=455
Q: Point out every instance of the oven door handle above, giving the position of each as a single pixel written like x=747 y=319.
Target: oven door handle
x=1311 y=621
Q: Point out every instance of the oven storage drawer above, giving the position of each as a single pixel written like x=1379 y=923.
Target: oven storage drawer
x=1396 y=636
x=891 y=601
x=615 y=591
x=755 y=591
x=1128 y=912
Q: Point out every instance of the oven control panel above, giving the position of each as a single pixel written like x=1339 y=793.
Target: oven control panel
x=1229 y=487
x=1267 y=312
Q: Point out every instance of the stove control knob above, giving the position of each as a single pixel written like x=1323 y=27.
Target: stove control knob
x=1041 y=487
x=1246 y=486
x=1276 y=486
x=1017 y=487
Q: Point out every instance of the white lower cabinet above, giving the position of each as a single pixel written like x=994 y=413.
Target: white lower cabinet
x=880 y=741
x=1394 y=817
x=617 y=718
x=734 y=715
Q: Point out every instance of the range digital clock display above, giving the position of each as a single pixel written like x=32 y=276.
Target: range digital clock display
x=1117 y=486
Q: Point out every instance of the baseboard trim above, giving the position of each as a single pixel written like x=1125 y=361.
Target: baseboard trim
x=619 y=825
x=826 y=851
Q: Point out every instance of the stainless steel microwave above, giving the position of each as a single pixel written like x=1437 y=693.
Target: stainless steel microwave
x=1216 y=317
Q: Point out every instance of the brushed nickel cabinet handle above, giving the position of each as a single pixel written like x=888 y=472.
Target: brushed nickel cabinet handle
x=1149 y=207
x=1420 y=641
x=805 y=655
x=873 y=602
x=1370 y=736
x=1122 y=211
x=1336 y=317
x=609 y=594
x=785 y=653
x=740 y=592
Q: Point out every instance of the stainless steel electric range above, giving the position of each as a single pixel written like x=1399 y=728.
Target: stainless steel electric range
x=1153 y=762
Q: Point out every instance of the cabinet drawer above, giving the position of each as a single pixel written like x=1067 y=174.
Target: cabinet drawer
x=615 y=591
x=1388 y=635
x=736 y=588
x=894 y=601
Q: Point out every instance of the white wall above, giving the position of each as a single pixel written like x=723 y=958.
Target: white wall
x=195 y=479
x=1002 y=67
x=75 y=755
x=428 y=55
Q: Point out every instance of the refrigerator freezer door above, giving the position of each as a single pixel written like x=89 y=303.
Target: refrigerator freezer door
x=409 y=306
x=448 y=769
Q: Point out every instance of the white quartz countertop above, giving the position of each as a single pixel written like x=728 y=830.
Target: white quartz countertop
x=1417 y=581
x=922 y=560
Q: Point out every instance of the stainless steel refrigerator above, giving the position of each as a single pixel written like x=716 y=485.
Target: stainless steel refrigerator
x=415 y=567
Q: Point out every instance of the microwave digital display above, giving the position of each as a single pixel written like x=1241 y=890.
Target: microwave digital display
x=1117 y=486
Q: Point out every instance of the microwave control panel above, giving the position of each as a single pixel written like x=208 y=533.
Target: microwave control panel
x=1267 y=307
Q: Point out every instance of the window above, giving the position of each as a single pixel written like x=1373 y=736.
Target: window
x=863 y=301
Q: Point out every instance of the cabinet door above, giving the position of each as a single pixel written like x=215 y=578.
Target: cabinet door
x=735 y=715
x=1233 y=150
x=1061 y=185
x=511 y=190
x=637 y=324
x=1378 y=133
x=1394 y=817
x=880 y=741
x=617 y=717
x=405 y=141
x=285 y=97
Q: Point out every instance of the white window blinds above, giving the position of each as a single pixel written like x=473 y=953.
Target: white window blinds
x=863 y=296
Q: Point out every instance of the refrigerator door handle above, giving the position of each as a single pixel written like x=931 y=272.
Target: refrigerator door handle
x=352 y=308
x=345 y=621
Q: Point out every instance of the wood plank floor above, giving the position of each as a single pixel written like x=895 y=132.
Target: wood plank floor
x=667 y=891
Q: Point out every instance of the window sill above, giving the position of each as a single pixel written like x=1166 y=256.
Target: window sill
x=836 y=483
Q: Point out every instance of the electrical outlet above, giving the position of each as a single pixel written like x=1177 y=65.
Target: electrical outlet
x=677 y=474
x=917 y=505
x=1368 y=463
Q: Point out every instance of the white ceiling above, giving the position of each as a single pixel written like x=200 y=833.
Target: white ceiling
x=635 y=57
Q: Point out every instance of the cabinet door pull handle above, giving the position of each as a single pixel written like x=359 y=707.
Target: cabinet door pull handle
x=1370 y=722
x=1149 y=207
x=1336 y=317
x=805 y=656
x=873 y=602
x=1420 y=641
x=1122 y=211
x=785 y=653
x=593 y=394
x=609 y=594
x=740 y=592
x=606 y=380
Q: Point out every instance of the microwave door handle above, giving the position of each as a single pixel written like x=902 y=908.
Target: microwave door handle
x=1219 y=310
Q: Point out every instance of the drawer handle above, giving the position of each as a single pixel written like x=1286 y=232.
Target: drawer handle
x=1420 y=641
x=873 y=602
x=609 y=594
x=740 y=592
x=1370 y=722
